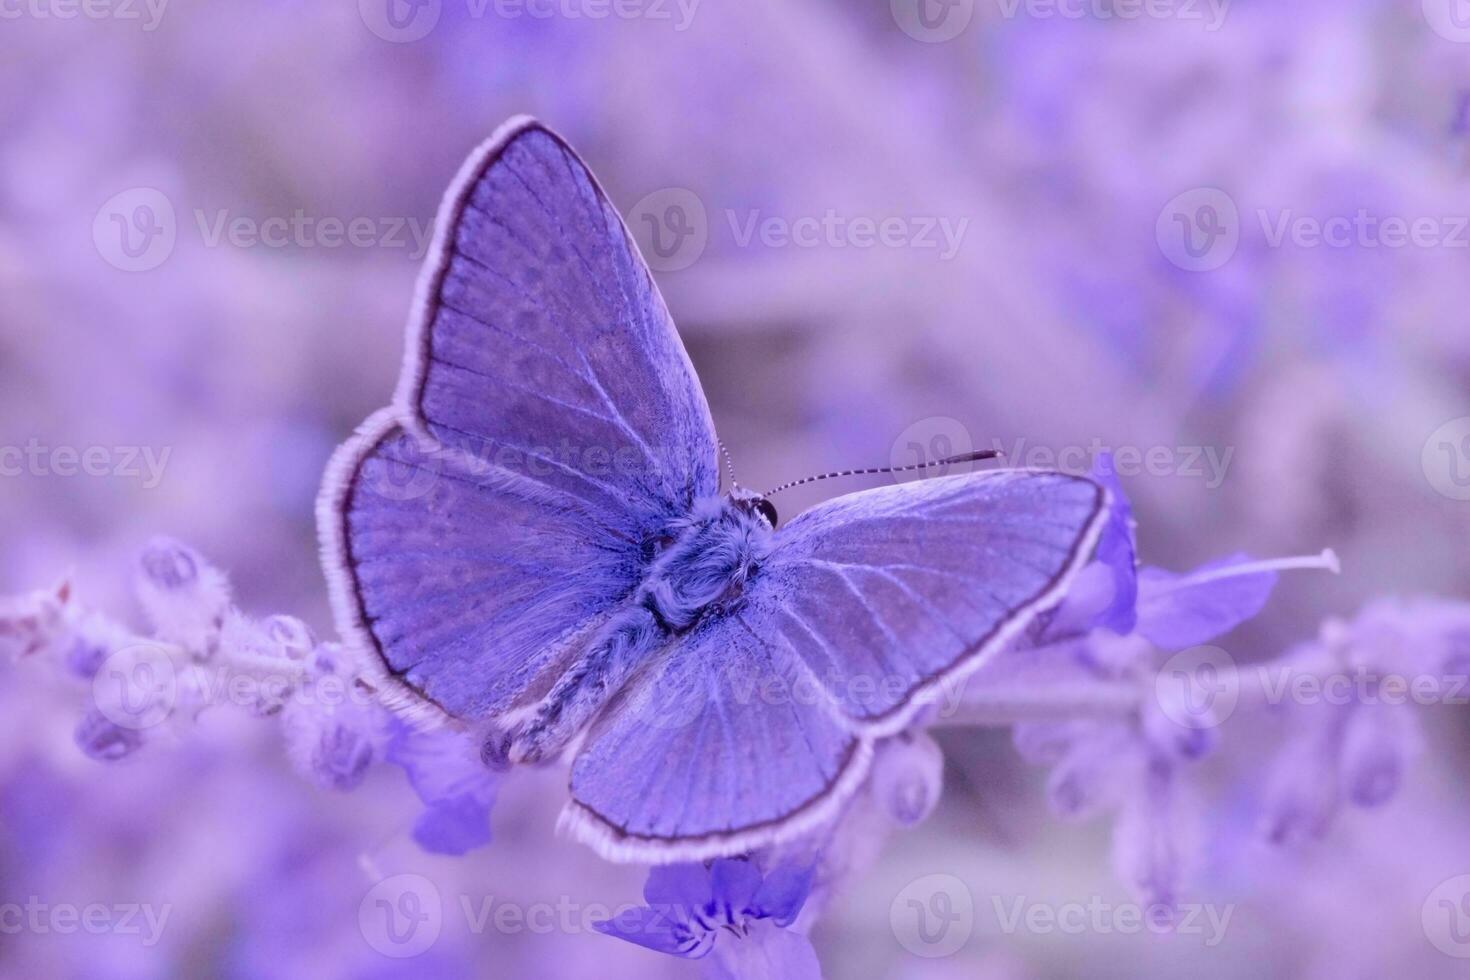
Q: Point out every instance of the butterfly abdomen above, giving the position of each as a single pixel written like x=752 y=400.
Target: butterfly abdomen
x=622 y=644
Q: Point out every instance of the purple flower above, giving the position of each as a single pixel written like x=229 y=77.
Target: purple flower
x=689 y=906
x=1302 y=793
x=1112 y=630
x=1171 y=610
x=1153 y=839
x=457 y=789
x=1352 y=730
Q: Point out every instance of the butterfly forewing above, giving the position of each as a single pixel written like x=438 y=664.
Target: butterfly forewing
x=547 y=422
x=889 y=592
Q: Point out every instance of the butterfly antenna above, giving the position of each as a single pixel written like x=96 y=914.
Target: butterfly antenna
x=975 y=456
x=729 y=464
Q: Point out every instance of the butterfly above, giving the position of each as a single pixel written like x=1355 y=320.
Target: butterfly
x=531 y=544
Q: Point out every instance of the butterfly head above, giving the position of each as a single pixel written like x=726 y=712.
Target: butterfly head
x=755 y=504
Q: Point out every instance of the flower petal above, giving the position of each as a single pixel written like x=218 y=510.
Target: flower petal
x=783 y=893
x=457 y=790
x=1116 y=551
x=768 y=953
x=454 y=826
x=1178 y=611
x=682 y=890
x=652 y=929
x=440 y=764
x=733 y=883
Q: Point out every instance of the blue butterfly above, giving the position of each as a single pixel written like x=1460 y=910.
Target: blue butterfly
x=531 y=543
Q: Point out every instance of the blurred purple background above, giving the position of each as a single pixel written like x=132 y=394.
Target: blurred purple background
x=1228 y=241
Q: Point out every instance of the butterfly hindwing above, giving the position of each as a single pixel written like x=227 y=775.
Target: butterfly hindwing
x=718 y=748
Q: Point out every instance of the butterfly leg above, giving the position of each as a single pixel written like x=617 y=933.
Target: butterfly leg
x=582 y=691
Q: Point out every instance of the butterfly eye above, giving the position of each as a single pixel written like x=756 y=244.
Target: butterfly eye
x=767 y=510
x=655 y=546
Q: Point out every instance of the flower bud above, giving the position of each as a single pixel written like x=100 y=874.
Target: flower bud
x=184 y=597
x=1093 y=775
x=908 y=777
x=101 y=739
x=1376 y=744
